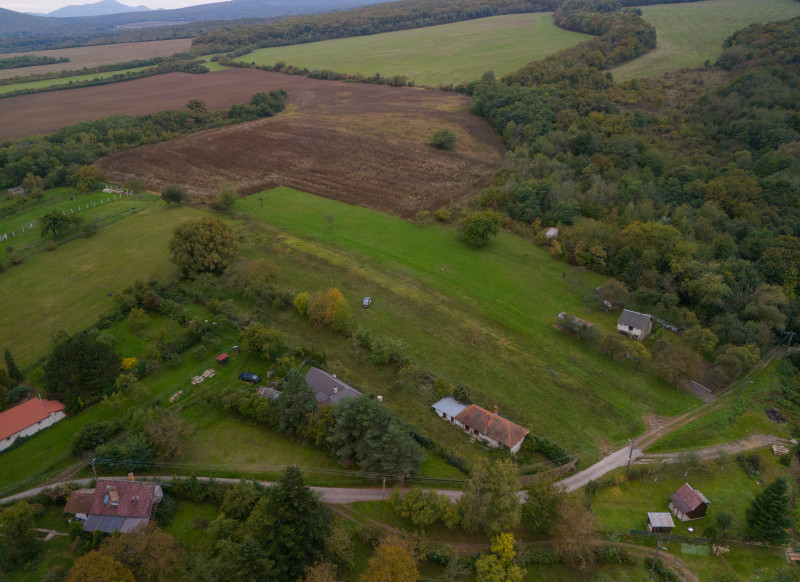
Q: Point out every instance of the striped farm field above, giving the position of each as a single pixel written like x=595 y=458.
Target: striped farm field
x=689 y=34
x=437 y=55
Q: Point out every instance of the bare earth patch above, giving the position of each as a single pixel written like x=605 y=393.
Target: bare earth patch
x=361 y=144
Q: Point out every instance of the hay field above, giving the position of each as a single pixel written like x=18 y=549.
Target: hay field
x=436 y=55
x=690 y=34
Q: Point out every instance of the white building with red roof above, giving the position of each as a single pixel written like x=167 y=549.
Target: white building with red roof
x=28 y=418
x=122 y=505
x=491 y=428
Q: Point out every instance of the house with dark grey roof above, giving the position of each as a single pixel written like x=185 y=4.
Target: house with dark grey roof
x=327 y=388
x=688 y=503
x=122 y=505
x=448 y=408
x=634 y=324
x=491 y=428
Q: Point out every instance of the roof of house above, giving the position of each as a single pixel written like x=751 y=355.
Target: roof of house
x=687 y=499
x=268 y=392
x=660 y=519
x=329 y=389
x=492 y=425
x=449 y=406
x=125 y=498
x=634 y=319
x=80 y=501
x=24 y=415
x=552 y=231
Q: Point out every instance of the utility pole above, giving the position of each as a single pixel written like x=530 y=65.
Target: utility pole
x=630 y=454
x=94 y=472
x=384 y=489
x=655 y=559
x=791 y=336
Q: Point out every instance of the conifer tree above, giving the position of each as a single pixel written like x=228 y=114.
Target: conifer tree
x=13 y=372
x=768 y=514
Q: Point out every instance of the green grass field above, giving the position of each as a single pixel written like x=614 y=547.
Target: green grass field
x=10 y=88
x=480 y=317
x=690 y=34
x=437 y=55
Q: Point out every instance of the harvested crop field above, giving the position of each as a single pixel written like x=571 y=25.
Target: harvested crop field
x=362 y=144
x=94 y=56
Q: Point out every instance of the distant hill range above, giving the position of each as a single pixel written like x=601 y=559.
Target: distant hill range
x=97 y=9
x=29 y=27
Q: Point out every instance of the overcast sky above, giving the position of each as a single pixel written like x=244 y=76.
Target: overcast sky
x=45 y=6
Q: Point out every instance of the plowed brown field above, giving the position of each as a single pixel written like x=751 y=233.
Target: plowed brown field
x=362 y=144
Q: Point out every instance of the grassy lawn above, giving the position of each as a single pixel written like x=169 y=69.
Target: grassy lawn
x=736 y=416
x=184 y=527
x=437 y=55
x=70 y=287
x=690 y=34
x=624 y=507
x=64 y=80
x=480 y=317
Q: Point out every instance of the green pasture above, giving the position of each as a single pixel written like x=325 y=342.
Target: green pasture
x=483 y=317
x=70 y=287
x=689 y=34
x=62 y=81
x=737 y=415
x=624 y=506
x=437 y=55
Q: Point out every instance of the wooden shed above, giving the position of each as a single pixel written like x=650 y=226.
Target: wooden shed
x=660 y=522
x=222 y=359
x=688 y=503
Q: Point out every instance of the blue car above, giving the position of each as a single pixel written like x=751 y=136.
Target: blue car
x=249 y=377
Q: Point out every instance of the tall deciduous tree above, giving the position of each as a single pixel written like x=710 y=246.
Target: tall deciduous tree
x=393 y=561
x=291 y=525
x=480 y=227
x=329 y=308
x=490 y=501
x=295 y=403
x=264 y=342
x=17 y=544
x=80 y=369
x=499 y=566
x=53 y=222
x=97 y=567
x=573 y=535
x=202 y=245
x=540 y=510
x=768 y=515
x=88 y=178
x=173 y=194
x=151 y=554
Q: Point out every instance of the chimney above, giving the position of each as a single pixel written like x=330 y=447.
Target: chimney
x=335 y=389
x=495 y=409
x=130 y=476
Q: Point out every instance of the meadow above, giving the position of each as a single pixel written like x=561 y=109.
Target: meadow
x=433 y=56
x=690 y=34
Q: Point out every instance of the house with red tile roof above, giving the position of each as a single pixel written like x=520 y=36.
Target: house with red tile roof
x=122 y=505
x=688 y=503
x=79 y=503
x=28 y=418
x=491 y=428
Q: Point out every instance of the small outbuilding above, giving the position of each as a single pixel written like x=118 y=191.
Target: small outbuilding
x=448 y=408
x=660 y=522
x=634 y=324
x=268 y=392
x=222 y=359
x=551 y=233
x=79 y=503
x=688 y=503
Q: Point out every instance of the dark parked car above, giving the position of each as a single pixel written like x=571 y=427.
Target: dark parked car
x=249 y=377
x=366 y=302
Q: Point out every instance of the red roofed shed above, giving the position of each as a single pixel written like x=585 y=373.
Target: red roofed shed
x=491 y=428
x=222 y=359
x=688 y=503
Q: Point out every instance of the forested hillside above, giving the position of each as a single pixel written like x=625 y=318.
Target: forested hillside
x=685 y=187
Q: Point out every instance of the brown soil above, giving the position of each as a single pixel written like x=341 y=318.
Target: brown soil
x=93 y=56
x=361 y=144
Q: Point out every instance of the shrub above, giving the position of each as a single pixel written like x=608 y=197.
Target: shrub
x=480 y=227
x=444 y=139
x=444 y=214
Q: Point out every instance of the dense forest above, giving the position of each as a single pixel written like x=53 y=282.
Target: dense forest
x=58 y=156
x=684 y=188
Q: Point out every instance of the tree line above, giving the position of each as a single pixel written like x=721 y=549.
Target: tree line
x=19 y=61
x=58 y=156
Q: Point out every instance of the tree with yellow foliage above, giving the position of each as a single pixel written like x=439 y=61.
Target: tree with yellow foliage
x=97 y=567
x=499 y=566
x=393 y=561
x=329 y=308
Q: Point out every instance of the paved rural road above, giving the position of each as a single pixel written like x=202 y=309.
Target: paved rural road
x=600 y=468
x=329 y=494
